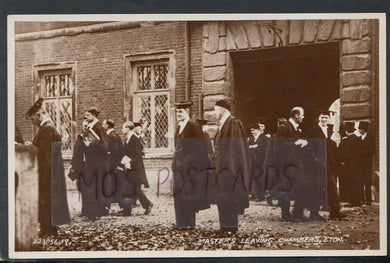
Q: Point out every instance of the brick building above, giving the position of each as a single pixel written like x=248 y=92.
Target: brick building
x=138 y=70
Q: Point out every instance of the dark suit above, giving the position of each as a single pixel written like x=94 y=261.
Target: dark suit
x=134 y=150
x=232 y=172
x=367 y=150
x=331 y=166
x=115 y=153
x=190 y=174
x=257 y=154
x=53 y=204
x=288 y=131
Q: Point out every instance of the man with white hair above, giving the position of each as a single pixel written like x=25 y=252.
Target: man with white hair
x=232 y=168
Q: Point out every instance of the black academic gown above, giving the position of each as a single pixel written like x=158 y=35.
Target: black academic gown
x=190 y=174
x=53 y=205
x=352 y=180
x=284 y=153
x=115 y=152
x=367 y=148
x=331 y=165
x=89 y=165
x=134 y=150
x=232 y=172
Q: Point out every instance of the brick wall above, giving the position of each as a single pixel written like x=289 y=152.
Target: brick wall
x=99 y=59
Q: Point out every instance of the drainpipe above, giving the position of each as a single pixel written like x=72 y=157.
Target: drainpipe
x=187 y=55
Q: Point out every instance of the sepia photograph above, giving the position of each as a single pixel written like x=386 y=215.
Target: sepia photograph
x=221 y=135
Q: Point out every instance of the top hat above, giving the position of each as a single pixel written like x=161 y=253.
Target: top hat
x=183 y=104
x=223 y=103
x=349 y=127
x=35 y=107
x=94 y=111
x=364 y=125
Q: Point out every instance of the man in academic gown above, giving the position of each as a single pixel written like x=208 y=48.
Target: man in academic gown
x=290 y=129
x=114 y=154
x=190 y=169
x=367 y=150
x=133 y=149
x=351 y=163
x=52 y=201
x=232 y=168
x=256 y=151
x=324 y=131
x=96 y=164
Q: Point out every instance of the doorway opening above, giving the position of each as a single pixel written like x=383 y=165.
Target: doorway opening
x=268 y=83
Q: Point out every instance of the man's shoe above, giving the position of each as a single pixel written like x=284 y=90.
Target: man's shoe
x=338 y=215
x=149 y=209
x=317 y=218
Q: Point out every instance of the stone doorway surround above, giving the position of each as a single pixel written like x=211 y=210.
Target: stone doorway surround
x=356 y=67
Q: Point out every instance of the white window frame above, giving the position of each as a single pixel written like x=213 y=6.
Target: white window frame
x=132 y=94
x=39 y=90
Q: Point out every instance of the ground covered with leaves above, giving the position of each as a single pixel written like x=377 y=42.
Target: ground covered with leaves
x=260 y=228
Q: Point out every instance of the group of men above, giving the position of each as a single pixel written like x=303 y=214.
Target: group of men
x=108 y=171
x=204 y=173
x=350 y=163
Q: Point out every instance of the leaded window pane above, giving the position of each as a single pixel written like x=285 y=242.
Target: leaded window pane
x=64 y=125
x=50 y=107
x=66 y=85
x=144 y=103
x=160 y=73
x=144 y=77
x=51 y=85
x=161 y=120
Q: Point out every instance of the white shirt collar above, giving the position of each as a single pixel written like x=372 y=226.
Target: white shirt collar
x=44 y=121
x=294 y=124
x=364 y=136
x=109 y=131
x=324 y=130
x=223 y=119
x=129 y=135
x=183 y=124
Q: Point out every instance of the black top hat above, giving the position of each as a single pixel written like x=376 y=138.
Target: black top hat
x=349 y=126
x=137 y=124
x=364 y=125
x=201 y=121
x=94 y=111
x=35 y=107
x=254 y=126
x=223 y=103
x=183 y=104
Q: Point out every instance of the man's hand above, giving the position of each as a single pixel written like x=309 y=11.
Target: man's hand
x=302 y=143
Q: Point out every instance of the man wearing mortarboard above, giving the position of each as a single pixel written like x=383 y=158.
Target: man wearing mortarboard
x=52 y=201
x=324 y=131
x=232 y=168
x=351 y=181
x=190 y=169
x=367 y=150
